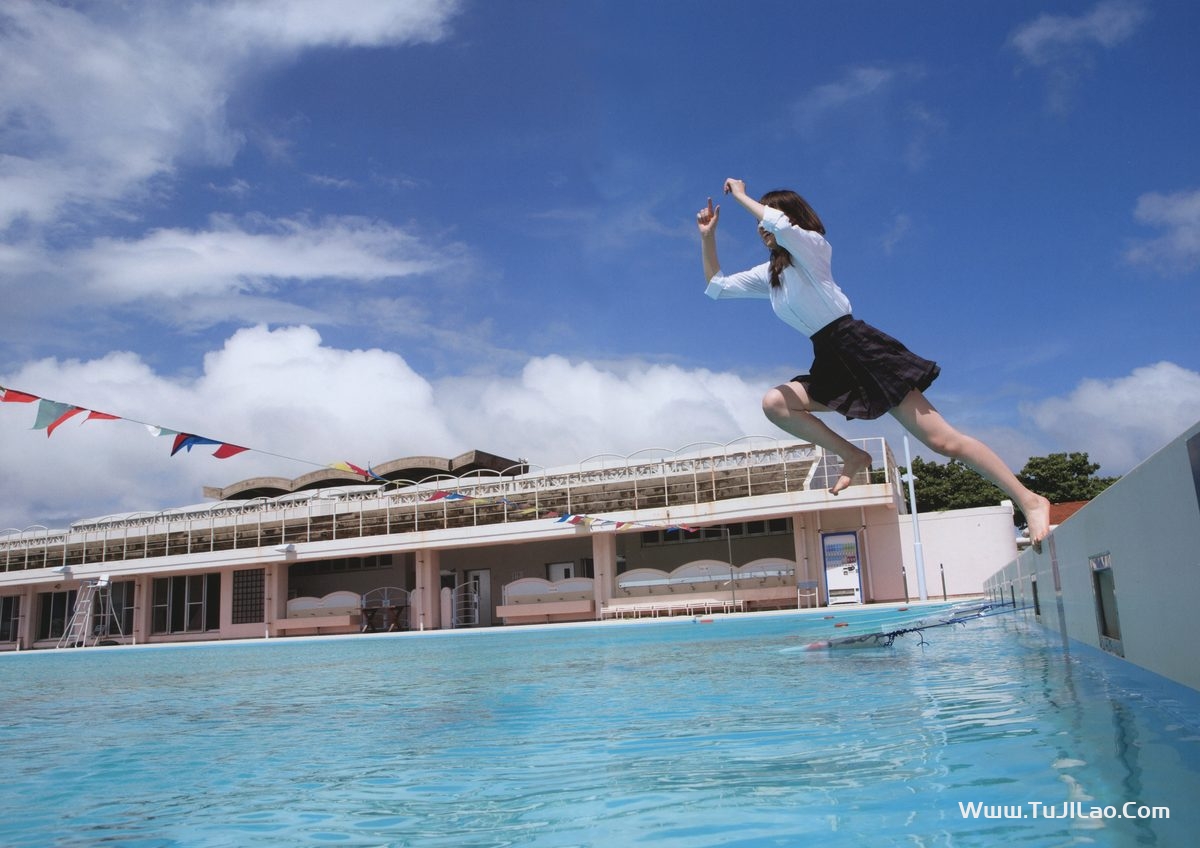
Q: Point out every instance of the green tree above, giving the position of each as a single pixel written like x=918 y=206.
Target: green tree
x=1059 y=477
x=1063 y=477
x=951 y=486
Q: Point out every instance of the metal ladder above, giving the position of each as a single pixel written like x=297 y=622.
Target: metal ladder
x=76 y=632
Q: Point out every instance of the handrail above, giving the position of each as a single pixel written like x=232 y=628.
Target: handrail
x=744 y=466
x=708 y=578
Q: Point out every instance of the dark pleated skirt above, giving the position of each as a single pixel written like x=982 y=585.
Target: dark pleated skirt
x=861 y=371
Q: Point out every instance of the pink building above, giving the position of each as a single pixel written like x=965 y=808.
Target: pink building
x=480 y=540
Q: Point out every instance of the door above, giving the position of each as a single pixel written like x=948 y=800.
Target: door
x=482 y=578
x=556 y=571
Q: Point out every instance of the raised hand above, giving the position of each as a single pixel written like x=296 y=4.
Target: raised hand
x=706 y=218
x=735 y=187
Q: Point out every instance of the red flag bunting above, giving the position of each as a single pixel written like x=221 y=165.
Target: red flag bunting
x=70 y=413
x=13 y=396
x=93 y=415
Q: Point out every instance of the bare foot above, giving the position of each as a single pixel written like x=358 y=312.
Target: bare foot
x=1037 y=518
x=859 y=461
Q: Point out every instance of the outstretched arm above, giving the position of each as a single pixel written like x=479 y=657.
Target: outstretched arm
x=706 y=222
x=738 y=189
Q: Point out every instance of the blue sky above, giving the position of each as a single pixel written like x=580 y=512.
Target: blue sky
x=356 y=231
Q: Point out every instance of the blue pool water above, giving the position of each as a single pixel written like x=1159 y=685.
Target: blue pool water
x=672 y=733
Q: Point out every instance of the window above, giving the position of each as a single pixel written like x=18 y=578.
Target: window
x=54 y=611
x=187 y=604
x=338 y=566
x=114 y=616
x=248 y=595
x=10 y=618
x=771 y=527
x=585 y=567
x=1105 y=594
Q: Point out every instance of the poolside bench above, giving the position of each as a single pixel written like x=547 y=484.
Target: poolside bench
x=706 y=586
x=532 y=600
x=337 y=612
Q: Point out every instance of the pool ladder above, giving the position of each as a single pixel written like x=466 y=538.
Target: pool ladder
x=76 y=632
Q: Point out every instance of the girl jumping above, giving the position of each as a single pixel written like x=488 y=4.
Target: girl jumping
x=857 y=370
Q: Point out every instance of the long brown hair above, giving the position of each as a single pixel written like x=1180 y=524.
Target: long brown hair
x=802 y=215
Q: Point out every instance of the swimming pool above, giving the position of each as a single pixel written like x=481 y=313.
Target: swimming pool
x=671 y=733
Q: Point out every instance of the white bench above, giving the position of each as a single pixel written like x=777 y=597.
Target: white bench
x=336 y=612
x=532 y=600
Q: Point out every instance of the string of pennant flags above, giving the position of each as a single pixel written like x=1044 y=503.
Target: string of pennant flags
x=52 y=414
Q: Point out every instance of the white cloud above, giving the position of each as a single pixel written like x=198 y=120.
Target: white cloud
x=284 y=387
x=897 y=231
x=98 y=103
x=1178 y=250
x=1064 y=46
x=247 y=270
x=279 y=391
x=337 y=183
x=297 y=24
x=234 y=256
x=1053 y=38
x=92 y=113
x=924 y=127
x=301 y=404
x=874 y=101
x=1122 y=421
x=856 y=85
x=556 y=411
x=237 y=188
x=284 y=392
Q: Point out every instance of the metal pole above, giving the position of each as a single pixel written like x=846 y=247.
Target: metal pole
x=918 y=555
x=732 y=581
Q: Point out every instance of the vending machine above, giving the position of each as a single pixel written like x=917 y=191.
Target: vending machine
x=843 y=575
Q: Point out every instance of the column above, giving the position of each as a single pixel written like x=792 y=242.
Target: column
x=226 y=604
x=29 y=612
x=804 y=567
x=604 y=560
x=275 y=588
x=426 y=595
x=143 y=608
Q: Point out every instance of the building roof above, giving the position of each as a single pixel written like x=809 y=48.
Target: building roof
x=1060 y=512
x=410 y=468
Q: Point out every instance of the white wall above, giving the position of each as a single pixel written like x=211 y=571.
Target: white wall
x=971 y=544
x=1149 y=525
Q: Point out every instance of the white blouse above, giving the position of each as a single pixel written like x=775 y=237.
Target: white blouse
x=808 y=298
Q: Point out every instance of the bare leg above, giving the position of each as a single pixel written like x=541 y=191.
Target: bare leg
x=919 y=417
x=791 y=409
